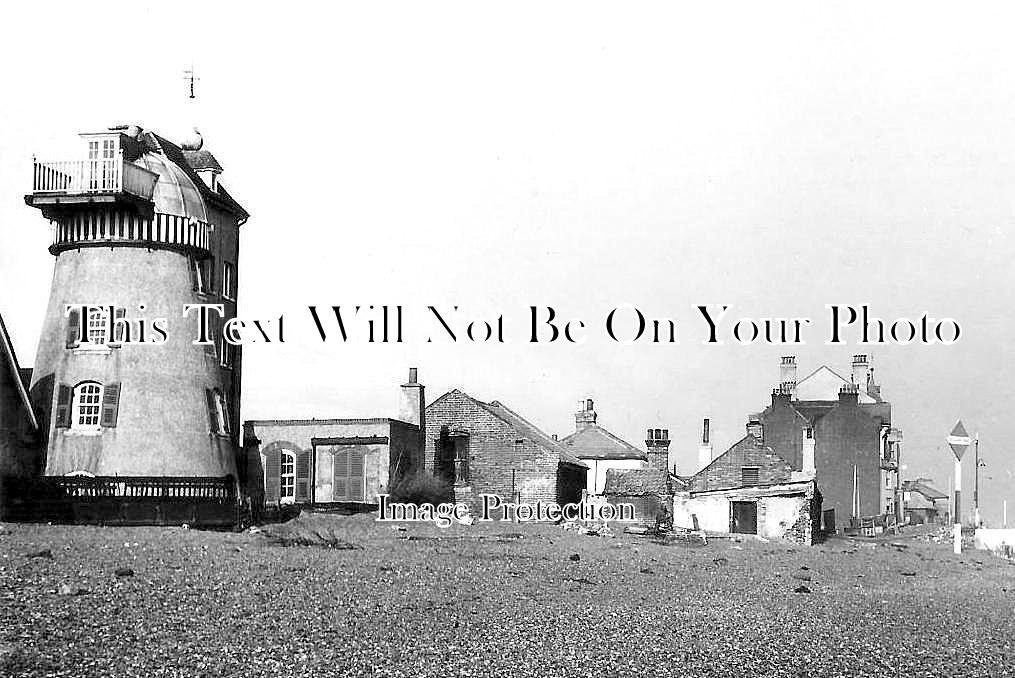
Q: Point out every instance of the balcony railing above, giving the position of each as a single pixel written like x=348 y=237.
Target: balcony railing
x=122 y=227
x=82 y=177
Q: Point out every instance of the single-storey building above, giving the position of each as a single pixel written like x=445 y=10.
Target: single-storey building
x=601 y=450
x=750 y=489
x=923 y=503
x=487 y=448
x=332 y=461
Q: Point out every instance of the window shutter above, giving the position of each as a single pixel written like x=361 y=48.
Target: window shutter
x=303 y=476
x=110 y=405
x=341 y=490
x=118 y=326
x=73 y=327
x=194 y=273
x=213 y=419
x=272 y=473
x=63 y=406
x=225 y=414
x=356 y=476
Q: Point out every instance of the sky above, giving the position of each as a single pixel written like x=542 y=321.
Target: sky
x=584 y=156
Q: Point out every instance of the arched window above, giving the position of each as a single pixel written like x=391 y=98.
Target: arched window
x=87 y=405
x=287 y=478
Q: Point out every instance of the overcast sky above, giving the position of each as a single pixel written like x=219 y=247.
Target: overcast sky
x=776 y=159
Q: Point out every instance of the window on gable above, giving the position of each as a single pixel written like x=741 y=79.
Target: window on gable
x=87 y=406
x=750 y=475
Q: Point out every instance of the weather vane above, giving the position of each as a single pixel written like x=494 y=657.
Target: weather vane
x=189 y=75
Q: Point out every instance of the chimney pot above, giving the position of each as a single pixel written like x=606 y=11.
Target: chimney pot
x=413 y=374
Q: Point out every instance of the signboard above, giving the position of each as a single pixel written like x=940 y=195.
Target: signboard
x=959 y=440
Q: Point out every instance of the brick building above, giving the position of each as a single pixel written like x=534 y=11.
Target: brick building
x=332 y=461
x=846 y=427
x=750 y=489
x=487 y=448
x=19 y=427
x=600 y=450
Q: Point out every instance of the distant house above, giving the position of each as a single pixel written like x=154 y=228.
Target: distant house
x=600 y=450
x=19 y=428
x=750 y=489
x=924 y=504
x=332 y=461
x=487 y=448
x=843 y=427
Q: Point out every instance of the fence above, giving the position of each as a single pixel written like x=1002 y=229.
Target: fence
x=115 y=500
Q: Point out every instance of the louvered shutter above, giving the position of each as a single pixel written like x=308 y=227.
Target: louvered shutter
x=63 y=406
x=225 y=415
x=118 y=327
x=272 y=473
x=303 y=476
x=73 y=327
x=110 y=405
x=356 y=476
x=213 y=419
x=341 y=491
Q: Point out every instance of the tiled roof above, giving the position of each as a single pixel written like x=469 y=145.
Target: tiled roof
x=528 y=429
x=924 y=489
x=7 y=353
x=595 y=442
x=639 y=482
x=202 y=159
x=520 y=424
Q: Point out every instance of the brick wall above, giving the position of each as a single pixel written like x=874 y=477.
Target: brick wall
x=501 y=459
x=725 y=470
x=845 y=437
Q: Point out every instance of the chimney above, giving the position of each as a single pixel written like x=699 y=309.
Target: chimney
x=861 y=372
x=848 y=394
x=586 y=415
x=787 y=374
x=411 y=403
x=705 y=446
x=754 y=427
x=657 y=442
x=807 y=464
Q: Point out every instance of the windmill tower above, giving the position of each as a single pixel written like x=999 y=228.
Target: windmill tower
x=141 y=228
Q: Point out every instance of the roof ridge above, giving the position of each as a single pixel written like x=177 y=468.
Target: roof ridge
x=12 y=362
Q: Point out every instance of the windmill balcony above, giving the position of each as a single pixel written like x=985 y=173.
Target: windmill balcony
x=66 y=182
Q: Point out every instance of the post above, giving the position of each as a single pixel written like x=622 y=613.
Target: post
x=1004 y=513
x=957 y=510
x=976 y=482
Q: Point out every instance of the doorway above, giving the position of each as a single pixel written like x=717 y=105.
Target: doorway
x=744 y=517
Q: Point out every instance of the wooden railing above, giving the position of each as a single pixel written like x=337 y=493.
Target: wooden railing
x=170 y=231
x=145 y=486
x=111 y=175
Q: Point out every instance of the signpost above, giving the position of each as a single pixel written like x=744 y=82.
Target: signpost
x=959 y=441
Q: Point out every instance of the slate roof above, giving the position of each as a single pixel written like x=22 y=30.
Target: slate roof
x=640 y=482
x=825 y=369
x=595 y=442
x=7 y=351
